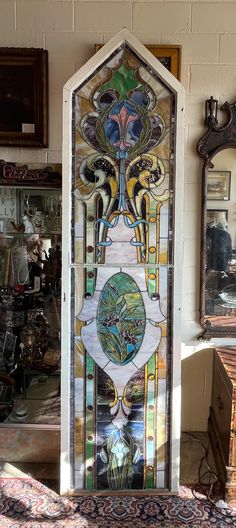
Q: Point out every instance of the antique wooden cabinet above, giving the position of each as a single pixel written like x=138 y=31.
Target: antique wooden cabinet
x=222 y=420
x=30 y=300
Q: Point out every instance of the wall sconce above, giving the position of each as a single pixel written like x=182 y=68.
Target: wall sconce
x=211 y=109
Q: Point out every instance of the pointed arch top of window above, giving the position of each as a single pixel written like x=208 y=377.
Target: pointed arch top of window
x=121 y=40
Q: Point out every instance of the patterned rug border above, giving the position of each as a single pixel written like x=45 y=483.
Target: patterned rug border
x=27 y=502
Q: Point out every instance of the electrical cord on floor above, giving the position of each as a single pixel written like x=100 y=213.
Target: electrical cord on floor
x=212 y=483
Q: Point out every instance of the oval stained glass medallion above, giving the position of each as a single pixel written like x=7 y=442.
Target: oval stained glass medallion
x=121 y=319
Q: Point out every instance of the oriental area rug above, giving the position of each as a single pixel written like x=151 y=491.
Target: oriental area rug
x=25 y=502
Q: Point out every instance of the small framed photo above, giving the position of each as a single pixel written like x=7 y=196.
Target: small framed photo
x=217 y=217
x=218 y=185
x=24 y=97
x=169 y=56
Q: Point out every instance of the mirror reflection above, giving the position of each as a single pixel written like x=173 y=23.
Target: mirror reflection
x=220 y=285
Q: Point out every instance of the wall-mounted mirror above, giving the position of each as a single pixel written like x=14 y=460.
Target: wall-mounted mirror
x=218 y=251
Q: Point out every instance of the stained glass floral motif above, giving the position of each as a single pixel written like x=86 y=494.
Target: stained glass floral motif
x=122 y=253
x=121 y=319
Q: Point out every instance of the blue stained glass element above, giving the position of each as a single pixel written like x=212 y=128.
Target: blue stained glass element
x=140 y=98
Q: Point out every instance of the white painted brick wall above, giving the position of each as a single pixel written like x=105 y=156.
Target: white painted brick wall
x=113 y=15
x=174 y=17
x=207 y=32
x=213 y=17
x=7 y=18
x=44 y=15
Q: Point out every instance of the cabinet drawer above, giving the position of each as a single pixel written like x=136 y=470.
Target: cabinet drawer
x=222 y=407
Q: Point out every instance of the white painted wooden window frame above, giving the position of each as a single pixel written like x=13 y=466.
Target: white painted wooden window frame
x=73 y=83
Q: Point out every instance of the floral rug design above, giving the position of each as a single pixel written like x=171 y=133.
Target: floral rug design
x=25 y=502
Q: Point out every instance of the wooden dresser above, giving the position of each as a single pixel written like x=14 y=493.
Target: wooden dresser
x=222 y=420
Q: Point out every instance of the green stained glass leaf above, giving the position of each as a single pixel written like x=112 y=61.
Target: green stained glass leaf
x=123 y=80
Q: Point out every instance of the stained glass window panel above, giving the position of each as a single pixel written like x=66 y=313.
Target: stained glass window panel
x=123 y=146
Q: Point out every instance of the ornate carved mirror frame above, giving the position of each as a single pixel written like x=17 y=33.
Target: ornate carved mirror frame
x=216 y=139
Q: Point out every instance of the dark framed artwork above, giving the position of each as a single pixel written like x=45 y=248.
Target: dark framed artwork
x=24 y=97
x=169 y=56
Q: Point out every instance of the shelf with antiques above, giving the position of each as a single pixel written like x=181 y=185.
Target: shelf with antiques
x=222 y=420
x=30 y=295
x=218 y=256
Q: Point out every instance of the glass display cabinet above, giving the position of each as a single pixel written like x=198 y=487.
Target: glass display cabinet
x=122 y=177
x=30 y=292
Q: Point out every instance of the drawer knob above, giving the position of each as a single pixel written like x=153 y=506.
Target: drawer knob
x=220 y=403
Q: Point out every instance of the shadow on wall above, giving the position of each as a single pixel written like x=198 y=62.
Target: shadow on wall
x=196 y=388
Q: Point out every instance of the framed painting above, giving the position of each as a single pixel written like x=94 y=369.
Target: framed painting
x=24 y=97
x=218 y=185
x=169 y=56
x=217 y=216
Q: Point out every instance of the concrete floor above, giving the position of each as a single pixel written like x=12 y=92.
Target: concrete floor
x=196 y=459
